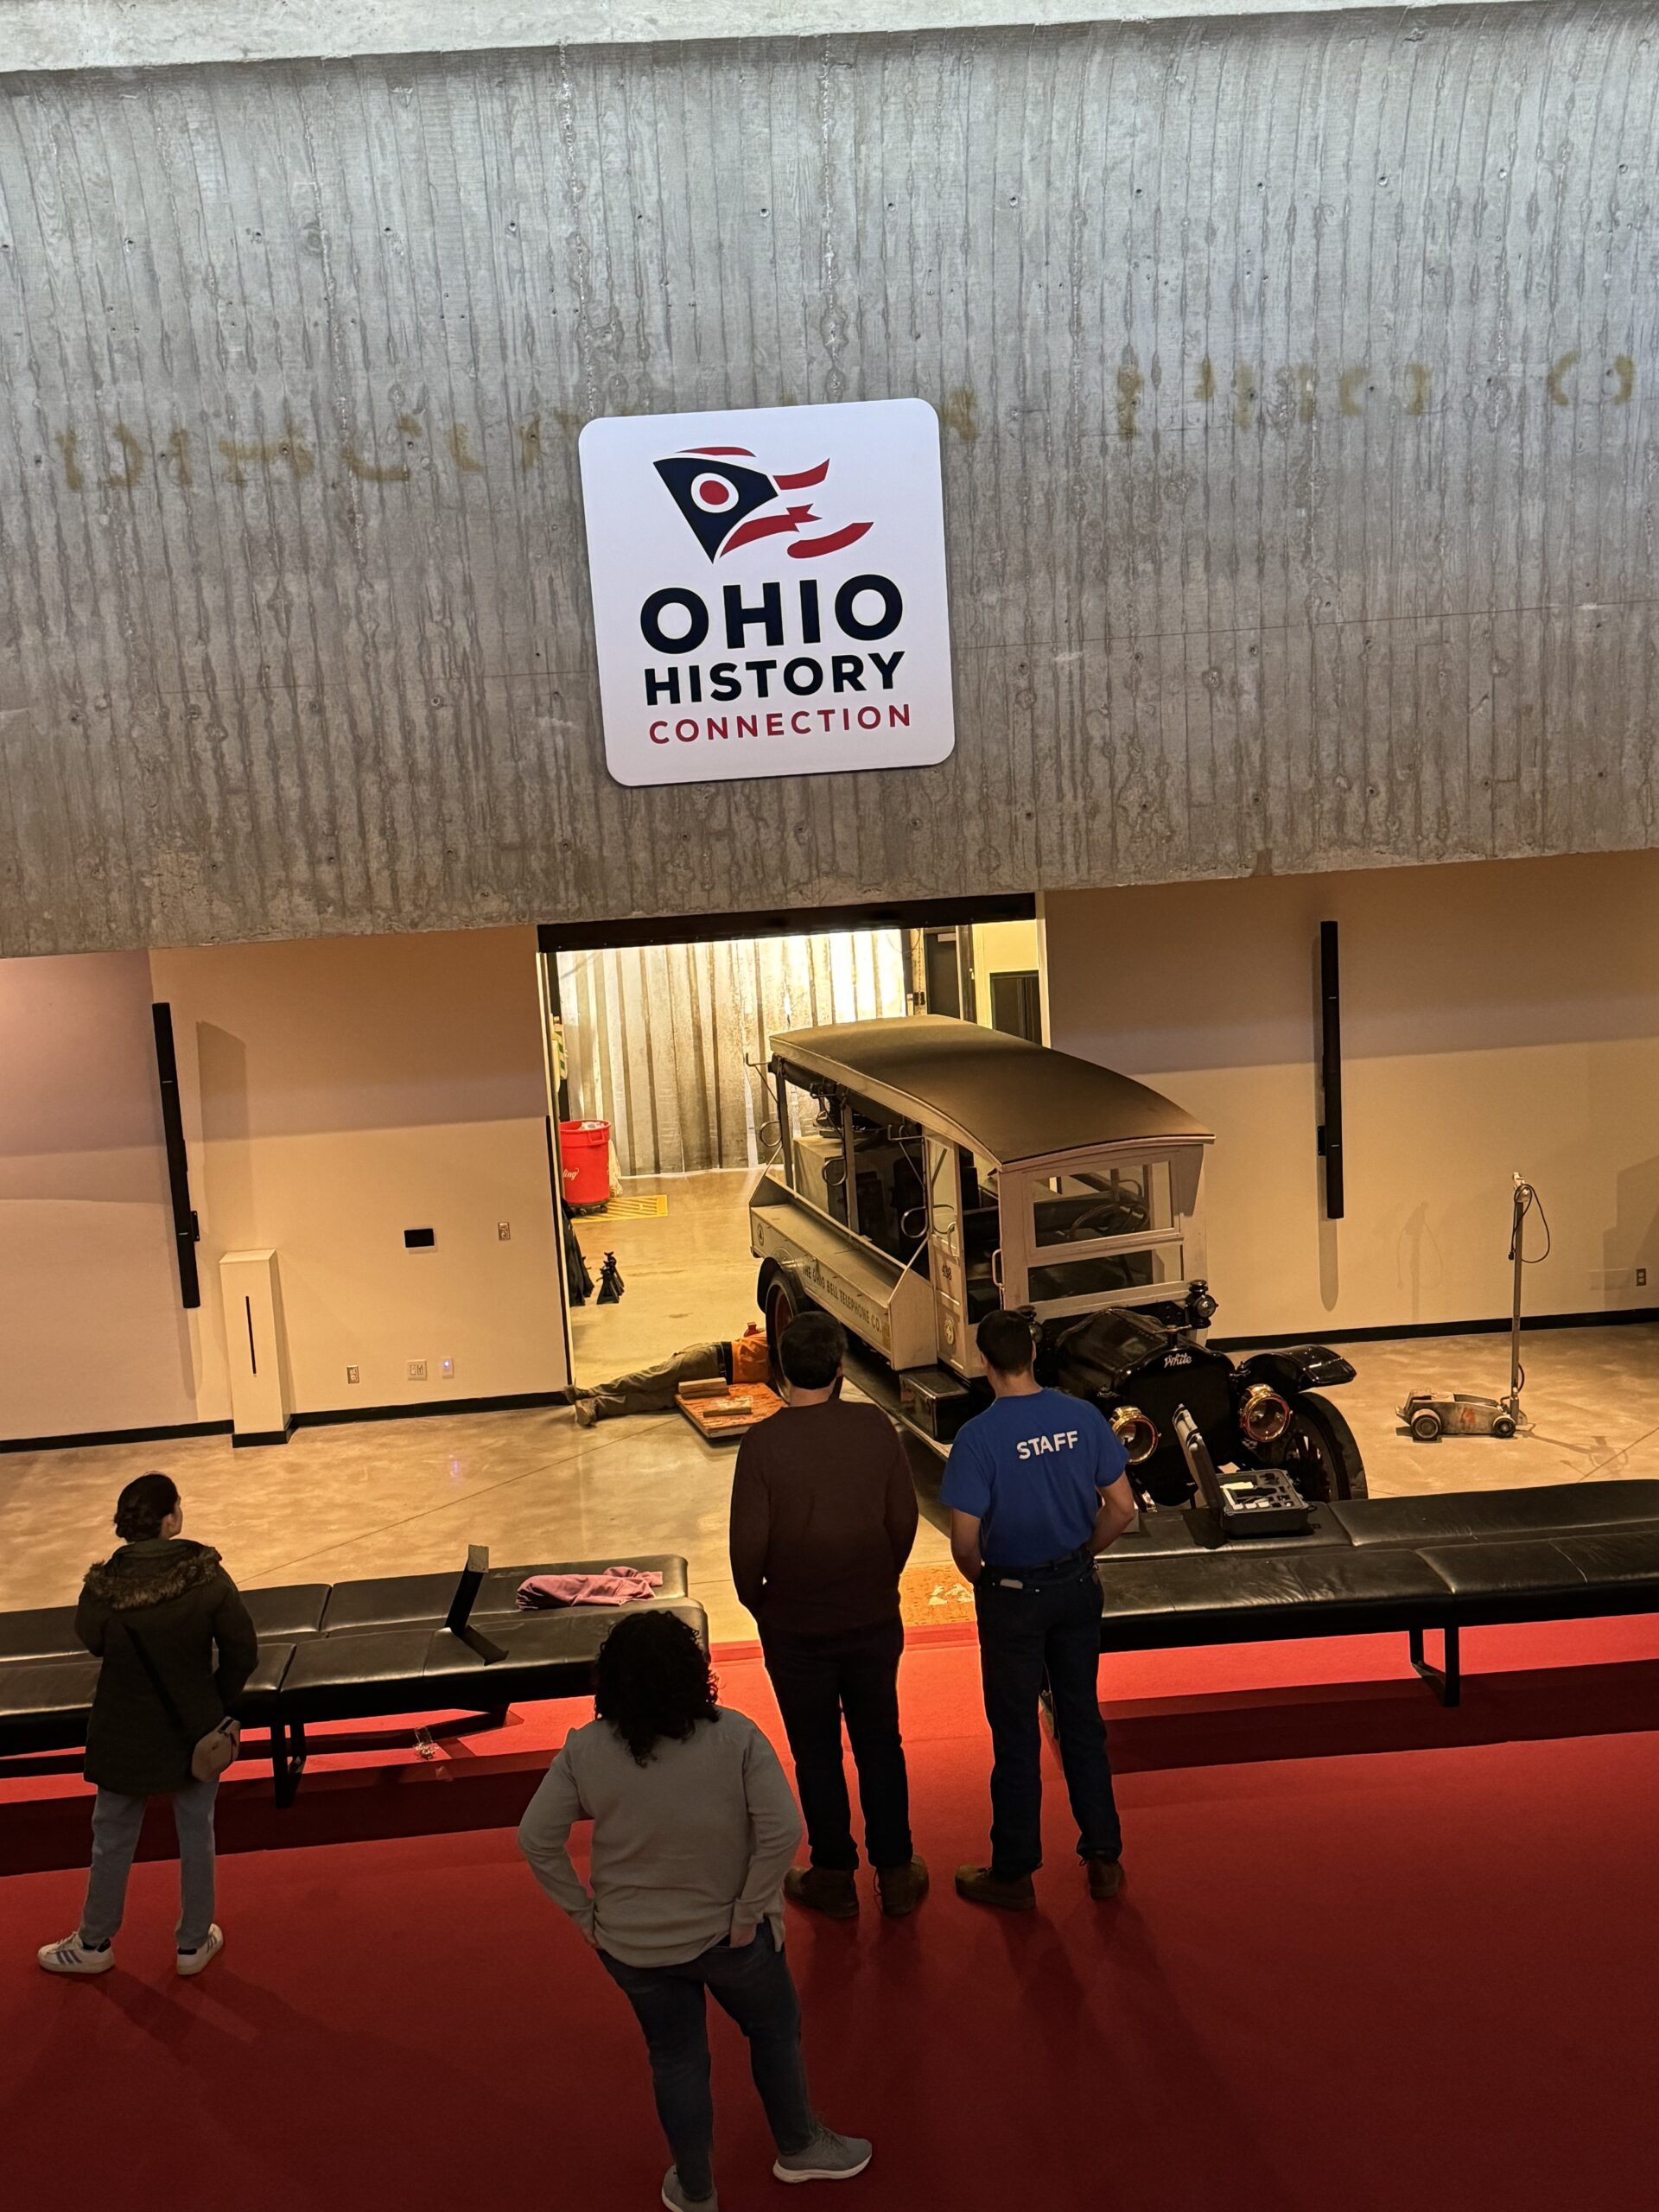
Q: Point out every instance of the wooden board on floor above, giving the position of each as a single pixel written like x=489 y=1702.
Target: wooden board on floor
x=724 y=1413
x=652 y=1207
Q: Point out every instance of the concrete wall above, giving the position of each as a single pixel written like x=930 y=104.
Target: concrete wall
x=335 y=1094
x=143 y=33
x=1297 y=376
x=1494 y=1018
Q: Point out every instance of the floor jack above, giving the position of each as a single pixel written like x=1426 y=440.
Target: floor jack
x=1429 y=1415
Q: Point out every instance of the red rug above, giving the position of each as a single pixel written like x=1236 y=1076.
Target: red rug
x=1416 y=1978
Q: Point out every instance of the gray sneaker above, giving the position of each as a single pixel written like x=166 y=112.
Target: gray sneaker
x=677 y=2200
x=828 y=2156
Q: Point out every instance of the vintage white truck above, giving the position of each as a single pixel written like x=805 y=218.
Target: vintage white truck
x=929 y=1170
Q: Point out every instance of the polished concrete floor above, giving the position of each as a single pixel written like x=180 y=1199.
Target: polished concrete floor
x=390 y=1497
x=687 y=1276
x=386 y=1497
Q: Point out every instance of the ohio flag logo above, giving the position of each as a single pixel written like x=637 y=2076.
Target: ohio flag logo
x=729 y=503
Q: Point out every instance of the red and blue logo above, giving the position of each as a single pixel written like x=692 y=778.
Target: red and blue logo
x=727 y=504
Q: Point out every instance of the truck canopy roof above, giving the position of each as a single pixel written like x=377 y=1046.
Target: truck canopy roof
x=1011 y=1102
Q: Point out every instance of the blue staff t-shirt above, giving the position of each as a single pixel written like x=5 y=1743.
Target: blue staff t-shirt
x=1031 y=1469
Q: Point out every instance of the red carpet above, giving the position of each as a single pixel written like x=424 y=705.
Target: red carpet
x=1414 y=1978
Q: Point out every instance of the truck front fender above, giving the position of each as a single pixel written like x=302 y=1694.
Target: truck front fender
x=1297 y=1367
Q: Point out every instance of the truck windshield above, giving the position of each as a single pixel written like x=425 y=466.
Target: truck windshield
x=1102 y=1230
x=1125 y=1199
x=1105 y=1271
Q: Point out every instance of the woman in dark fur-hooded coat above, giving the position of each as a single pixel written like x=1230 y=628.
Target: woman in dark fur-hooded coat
x=196 y=1632
x=176 y=1648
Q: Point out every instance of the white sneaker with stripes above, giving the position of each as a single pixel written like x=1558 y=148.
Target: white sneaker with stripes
x=73 y=1956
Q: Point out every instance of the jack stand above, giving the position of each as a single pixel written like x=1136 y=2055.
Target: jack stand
x=1431 y=1414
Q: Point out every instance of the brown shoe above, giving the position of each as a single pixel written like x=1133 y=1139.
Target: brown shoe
x=1105 y=1878
x=827 y=1890
x=901 y=1888
x=980 y=1886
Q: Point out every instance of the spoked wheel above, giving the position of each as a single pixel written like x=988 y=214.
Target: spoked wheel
x=1318 y=1451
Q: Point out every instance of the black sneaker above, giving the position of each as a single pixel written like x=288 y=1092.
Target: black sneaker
x=828 y=2156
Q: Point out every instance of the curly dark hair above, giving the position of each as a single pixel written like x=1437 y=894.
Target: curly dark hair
x=143 y=1505
x=653 y=1681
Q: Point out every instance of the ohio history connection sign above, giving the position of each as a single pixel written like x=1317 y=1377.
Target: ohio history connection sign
x=769 y=591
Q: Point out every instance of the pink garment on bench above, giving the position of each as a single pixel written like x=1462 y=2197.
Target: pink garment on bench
x=623 y=1585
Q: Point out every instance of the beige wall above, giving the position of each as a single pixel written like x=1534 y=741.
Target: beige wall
x=344 y=1091
x=1001 y=948
x=1495 y=1016
x=335 y=1093
x=92 y=1333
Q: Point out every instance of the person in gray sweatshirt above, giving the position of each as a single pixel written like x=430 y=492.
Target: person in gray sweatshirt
x=694 y=1829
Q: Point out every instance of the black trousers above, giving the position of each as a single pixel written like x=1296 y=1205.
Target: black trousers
x=1048 y=1627
x=821 y=1680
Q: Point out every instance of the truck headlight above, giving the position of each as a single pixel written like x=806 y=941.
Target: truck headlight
x=1263 y=1414
x=1137 y=1432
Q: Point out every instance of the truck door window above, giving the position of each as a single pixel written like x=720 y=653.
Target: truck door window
x=892 y=1193
x=817 y=1161
x=944 y=1195
x=981 y=1234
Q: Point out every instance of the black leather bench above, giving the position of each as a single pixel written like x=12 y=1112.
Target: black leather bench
x=1562 y=1551
x=350 y=1651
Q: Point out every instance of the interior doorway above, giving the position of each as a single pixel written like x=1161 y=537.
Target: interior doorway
x=662 y=1033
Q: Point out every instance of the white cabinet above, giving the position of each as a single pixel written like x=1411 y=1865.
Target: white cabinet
x=262 y=1398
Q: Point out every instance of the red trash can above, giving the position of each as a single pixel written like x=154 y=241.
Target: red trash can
x=585 y=1163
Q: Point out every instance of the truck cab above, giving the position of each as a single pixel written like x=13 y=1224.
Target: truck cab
x=930 y=1170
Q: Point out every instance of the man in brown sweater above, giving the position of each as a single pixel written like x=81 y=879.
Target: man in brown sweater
x=823 y=1516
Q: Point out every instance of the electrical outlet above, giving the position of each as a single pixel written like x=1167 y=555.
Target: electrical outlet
x=1641 y=1278
x=352 y=1375
x=447 y=1368
x=417 y=1370
x=504 y=1230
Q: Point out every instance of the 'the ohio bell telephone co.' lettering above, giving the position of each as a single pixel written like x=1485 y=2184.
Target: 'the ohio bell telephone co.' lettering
x=796 y=659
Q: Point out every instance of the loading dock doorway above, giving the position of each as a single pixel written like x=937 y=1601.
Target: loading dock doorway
x=662 y=1031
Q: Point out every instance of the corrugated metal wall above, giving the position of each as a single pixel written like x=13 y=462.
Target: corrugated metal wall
x=1301 y=446
x=669 y=1043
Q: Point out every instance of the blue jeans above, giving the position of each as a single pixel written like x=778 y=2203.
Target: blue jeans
x=116 y=1821
x=1049 y=1627
x=753 y=1985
